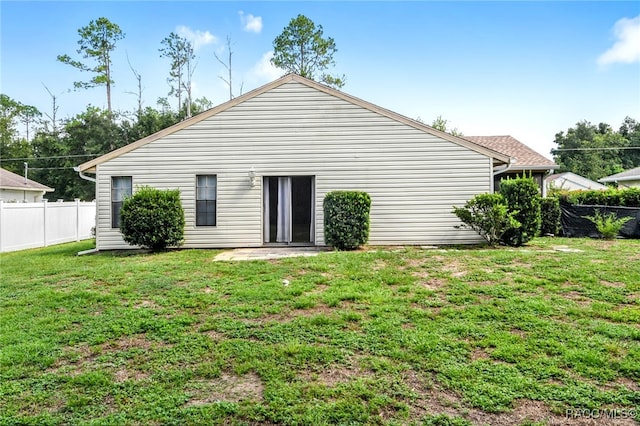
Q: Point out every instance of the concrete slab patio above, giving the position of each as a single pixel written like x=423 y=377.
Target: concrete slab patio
x=268 y=253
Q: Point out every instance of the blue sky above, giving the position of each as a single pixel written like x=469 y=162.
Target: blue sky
x=528 y=69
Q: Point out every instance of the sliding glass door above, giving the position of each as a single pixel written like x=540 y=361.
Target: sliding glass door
x=288 y=209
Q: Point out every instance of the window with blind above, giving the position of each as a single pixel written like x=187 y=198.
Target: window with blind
x=206 y=197
x=121 y=188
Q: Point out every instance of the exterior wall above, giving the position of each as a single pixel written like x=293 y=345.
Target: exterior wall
x=413 y=178
x=629 y=184
x=14 y=195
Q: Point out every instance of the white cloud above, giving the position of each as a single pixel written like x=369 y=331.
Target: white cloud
x=264 y=71
x=626 y=49
x=196 y=37
x=250 y=23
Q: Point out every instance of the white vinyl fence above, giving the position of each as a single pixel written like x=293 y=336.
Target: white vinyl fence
x=29 y=225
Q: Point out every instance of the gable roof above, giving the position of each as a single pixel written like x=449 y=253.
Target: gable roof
x=10 y=180
x=526 y=158
x=632 y=174
x=90 y=166
x=574 y=179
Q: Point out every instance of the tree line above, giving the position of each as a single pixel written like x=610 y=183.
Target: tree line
x=596 y=151
x=52 y=147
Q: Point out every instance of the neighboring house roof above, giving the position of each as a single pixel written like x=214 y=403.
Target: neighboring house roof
x=502 y=158
x=526 y=158
x=10 y=180
x=632 y=174
x=572 y=181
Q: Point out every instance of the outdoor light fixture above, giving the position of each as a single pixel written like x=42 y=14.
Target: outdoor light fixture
x=252 y=177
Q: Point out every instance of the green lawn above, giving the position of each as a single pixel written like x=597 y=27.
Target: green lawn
x=453 y=336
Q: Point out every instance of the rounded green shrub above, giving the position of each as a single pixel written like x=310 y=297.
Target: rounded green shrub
x=346 y=219
x=523 y=198
x=550 y=212
x=153 y=218
x=488 y=215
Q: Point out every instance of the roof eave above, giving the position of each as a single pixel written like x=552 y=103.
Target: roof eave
x=534 y=168
x=620 y=179
x=30 y=189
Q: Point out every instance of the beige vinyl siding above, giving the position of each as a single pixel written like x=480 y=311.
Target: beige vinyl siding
x=414 y=178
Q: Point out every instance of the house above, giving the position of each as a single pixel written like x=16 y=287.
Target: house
x=627 y=179
x=526 y=160
x=254 y=171
x=571 y=182
x=15 y=188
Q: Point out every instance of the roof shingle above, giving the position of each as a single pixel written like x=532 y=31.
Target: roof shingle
x=508 y=145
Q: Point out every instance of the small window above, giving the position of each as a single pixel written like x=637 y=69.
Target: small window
x=120 y=189
x=206 y=188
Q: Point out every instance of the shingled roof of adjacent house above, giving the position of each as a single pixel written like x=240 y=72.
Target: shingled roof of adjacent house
x=10 y=180
x=526 y=158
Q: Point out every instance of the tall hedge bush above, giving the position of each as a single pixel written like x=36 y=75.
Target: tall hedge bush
x=523 y=198
x=346 y=219
x=629 y=197
x=153 y=218
x=550 y=214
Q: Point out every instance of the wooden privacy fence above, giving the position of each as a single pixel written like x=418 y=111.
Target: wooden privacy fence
x=30 y=225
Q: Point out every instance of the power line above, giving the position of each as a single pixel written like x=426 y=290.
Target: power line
x=49 y=158
x=50 y=168
x=595 y=149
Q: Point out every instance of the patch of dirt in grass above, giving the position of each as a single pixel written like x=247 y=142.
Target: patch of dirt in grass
x=335 y=375
x=148 y=304
x=318 y=289
x=483 y=298
x=633 y=298
x=577 y=297
x=130 y=342
x=435 y=310
x=319 y=309
x=479 y=353
x=629 y=384
x=420 y=274
x=613 y=284
x=455 y=268
x=76 y=356
x=227 y=387
x=518 y=332
x=433 y=399
x=622 y=381
x=414 y=262
x=433 y=284
x=555 y=382
x=82 y=358
x=322 y=309
x=379 y=264
x=215 y=335
x=429 y=399
x=125 y=374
